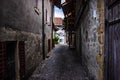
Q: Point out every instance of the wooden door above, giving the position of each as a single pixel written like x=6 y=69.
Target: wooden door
x=22 y=59
x=49 y=46
x=10 y=59
x=2 y=60
x=112 y=40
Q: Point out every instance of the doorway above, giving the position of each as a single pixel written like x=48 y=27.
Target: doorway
x=112 y=40
x=10 y=59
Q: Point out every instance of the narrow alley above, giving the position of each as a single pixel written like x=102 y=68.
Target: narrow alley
x=59 y=39
x=63 y=64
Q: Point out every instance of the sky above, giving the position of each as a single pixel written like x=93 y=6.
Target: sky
x=58 y=11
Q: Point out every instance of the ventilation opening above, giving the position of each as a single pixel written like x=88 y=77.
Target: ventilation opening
x=2 y=61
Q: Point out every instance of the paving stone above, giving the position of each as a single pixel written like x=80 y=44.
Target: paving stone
x=63 y=64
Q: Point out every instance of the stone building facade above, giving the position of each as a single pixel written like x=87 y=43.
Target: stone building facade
x=87 y=20
x=89 y=38
x=21 y=29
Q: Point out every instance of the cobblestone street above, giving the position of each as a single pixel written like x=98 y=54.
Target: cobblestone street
x=62 y=64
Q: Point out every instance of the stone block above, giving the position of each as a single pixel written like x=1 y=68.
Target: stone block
x=100 y=60
x=101 y=49
x=101 y=38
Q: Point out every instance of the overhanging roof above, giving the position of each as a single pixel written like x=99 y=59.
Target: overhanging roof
x=68 y=7
x=57 y=3
x=70 y=19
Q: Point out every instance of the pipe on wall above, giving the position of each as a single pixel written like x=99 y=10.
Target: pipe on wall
x=43 y=31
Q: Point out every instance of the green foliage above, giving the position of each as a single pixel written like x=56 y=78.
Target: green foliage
x=56 y=38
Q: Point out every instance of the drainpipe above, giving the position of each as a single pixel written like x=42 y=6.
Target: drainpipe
x=43 y=32
x=52 y=10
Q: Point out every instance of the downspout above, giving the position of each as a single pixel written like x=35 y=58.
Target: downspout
x=43 y=32
x=52 y=15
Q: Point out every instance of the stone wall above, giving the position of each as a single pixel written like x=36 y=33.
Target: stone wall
x=33 y=56
x=87 y=35
x=20 y=22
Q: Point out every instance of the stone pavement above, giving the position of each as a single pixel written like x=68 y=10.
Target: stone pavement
x=63 y=64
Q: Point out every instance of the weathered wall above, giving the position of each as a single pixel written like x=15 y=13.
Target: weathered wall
x=87 y=38
x=33 y=55
x=20 y=15
x=20 y=22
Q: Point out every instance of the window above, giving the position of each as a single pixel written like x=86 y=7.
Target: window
x=46 y=16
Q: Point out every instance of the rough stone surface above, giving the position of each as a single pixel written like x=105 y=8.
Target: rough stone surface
x=89 y=39
x=33 y=55
x=63 y=64
x=20 y=22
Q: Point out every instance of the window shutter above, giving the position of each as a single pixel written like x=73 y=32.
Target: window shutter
x=22 y=59
x=2 y=60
